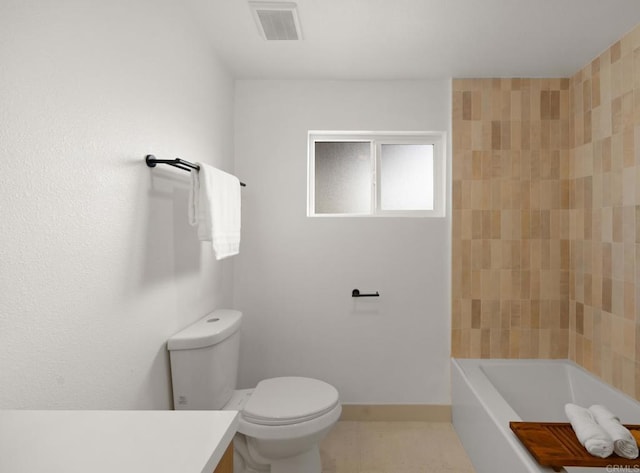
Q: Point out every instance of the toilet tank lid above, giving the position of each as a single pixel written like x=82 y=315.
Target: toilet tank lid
x=209 y=330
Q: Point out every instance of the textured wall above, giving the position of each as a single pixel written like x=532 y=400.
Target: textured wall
x=605 y=215
x=98 y=265
x=510 y=262
x=578 y=217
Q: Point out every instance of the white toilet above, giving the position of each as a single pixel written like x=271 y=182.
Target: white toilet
x=282 y=420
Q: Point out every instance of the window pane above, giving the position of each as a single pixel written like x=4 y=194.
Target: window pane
x=406 y=177
x=343 y=177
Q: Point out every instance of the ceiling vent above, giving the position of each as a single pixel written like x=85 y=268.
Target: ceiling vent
x=277 y=20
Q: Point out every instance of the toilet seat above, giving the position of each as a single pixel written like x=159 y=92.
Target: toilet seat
x=289 y=400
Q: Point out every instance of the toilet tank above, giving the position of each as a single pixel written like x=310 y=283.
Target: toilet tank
x=204 y=361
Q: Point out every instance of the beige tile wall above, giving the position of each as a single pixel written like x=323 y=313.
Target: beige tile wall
x=546 y=217
x=605 y=214
x=510 y=218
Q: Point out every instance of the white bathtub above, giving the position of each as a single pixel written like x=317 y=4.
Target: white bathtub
x=487 y=394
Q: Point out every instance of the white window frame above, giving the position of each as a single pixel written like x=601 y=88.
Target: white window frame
x=377 y=139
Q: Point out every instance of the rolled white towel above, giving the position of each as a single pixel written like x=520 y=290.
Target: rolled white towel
x=623 y=442
x=589 y=433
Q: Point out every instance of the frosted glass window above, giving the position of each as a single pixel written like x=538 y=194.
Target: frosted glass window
x=376 y=174
x=342 y=177
x=406 y=177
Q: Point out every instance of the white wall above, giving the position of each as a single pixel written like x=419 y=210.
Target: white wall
x=294 y=275
x=98 y=265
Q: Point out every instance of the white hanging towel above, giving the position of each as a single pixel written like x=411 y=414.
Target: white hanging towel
x=214 y=206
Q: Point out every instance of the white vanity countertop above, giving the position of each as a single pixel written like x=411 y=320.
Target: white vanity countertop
x=114 y=441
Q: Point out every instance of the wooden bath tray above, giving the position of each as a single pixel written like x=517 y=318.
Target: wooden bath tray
x=554 y=444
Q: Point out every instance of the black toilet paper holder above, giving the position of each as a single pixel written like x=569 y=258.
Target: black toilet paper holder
x=356 y=293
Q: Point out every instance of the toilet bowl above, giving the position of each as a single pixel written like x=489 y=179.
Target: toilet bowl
x=282 y=420
x=281 y=424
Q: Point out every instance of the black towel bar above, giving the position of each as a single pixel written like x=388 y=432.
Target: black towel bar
x=151 y=161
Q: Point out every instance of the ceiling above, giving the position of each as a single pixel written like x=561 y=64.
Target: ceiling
x=416 y=39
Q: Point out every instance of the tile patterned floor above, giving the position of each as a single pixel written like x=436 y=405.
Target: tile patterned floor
x=393 y=447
